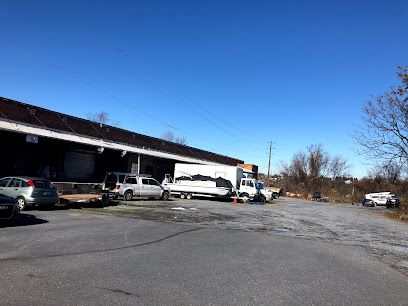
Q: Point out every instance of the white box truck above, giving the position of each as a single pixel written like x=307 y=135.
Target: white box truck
x=191 y=180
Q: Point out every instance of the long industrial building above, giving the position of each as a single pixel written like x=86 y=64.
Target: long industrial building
x=40 y=142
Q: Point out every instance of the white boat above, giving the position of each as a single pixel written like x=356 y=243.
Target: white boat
x=194 y=187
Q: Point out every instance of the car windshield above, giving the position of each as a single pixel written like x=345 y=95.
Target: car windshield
x=259 y=186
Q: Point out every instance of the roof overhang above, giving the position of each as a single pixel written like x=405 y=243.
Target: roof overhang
x=24 y=128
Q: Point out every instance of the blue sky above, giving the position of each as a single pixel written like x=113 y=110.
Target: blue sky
x=227 y=75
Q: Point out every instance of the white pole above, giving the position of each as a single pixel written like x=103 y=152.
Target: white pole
x=138 y=164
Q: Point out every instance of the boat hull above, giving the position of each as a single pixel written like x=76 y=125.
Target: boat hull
x=177 y=188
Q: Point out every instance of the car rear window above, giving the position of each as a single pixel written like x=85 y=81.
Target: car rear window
x=43 y=184
x=3 y=182
x=111 y=178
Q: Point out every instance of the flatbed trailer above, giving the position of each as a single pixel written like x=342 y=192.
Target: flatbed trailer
x=240 y=199
x=101 y=199
x=82 y=193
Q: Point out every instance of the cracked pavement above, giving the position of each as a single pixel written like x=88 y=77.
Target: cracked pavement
x=290 y=252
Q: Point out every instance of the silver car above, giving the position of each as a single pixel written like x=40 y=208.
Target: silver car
x=29 y=191
x=129 y=185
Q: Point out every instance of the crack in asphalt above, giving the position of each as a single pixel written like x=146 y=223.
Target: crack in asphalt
x=119 y=291
x=102 y=250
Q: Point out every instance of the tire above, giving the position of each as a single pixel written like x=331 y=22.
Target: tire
x=51 y=206
x=374 y=204
x=182 y=195
x=104 y=200
x=22 y=203
x=165 y=196
x=189 y=196
x=128 y=195
x=245 y=197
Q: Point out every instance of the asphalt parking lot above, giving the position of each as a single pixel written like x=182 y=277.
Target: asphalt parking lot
x=290 y=252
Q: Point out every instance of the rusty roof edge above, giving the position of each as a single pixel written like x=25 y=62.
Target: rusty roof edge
x=117 y=128
x=146 y=150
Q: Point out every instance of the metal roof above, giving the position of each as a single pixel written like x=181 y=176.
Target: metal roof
x=25 y=118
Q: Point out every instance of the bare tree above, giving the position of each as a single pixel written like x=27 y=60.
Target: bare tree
x=297 y=169
x=169 y=136
x=338 y=166
x=103 y=118
x=384 y=133
x=392 y=171
x=388 y=170
x=318 y=160
x=181 y=140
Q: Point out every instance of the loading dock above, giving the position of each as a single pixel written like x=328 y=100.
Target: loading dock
x=63 y=148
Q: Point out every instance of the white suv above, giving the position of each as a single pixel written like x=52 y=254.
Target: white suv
x=132 y=185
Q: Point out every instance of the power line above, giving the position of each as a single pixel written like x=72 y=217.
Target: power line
x=107 y=93
x=195 y=106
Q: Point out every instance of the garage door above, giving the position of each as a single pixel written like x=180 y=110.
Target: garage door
x=79 y=166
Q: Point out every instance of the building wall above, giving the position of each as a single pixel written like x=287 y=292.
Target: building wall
x=70 y=162
x=250 y=167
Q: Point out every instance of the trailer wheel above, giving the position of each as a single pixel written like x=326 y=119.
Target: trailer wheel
x=244 y=197
x=189 y=196
x=182 y=195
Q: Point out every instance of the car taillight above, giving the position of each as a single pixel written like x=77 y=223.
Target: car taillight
x=117 y=186
x=31 y=183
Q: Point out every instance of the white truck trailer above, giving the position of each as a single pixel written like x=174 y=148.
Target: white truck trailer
x=230 y=173
x=191 y=180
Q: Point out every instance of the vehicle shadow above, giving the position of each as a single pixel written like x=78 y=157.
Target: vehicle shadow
x=23 y=220
x=54 y=207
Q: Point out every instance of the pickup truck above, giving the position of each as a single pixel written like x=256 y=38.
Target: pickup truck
x=128 y=185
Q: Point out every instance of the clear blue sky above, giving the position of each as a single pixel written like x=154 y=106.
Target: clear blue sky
x=229 y=75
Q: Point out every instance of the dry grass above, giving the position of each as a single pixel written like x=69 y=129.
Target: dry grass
x=400 y=213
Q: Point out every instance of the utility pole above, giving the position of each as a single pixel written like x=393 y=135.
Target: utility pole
x=269 y=163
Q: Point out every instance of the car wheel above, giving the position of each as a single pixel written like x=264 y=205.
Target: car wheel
x=51 y=206
x=165 y=196
x=22 y=203
x=182 y=195
x=189 y=196
x=128 y=195
x=374 y=204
